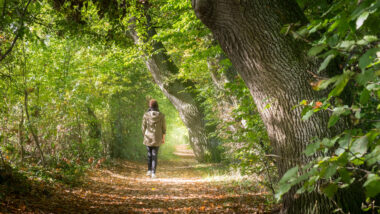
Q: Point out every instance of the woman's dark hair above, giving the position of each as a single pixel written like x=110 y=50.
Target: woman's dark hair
x=153 y=105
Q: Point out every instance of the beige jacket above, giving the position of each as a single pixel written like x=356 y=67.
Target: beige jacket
x=153 y=128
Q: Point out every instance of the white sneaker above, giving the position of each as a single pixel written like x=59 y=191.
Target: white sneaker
x=148 y=173
x=153 y=175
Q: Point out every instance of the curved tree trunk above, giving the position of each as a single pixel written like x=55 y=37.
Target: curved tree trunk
x=277 y=71
x=162 y=68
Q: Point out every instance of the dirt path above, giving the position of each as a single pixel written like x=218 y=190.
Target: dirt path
x=180 y=187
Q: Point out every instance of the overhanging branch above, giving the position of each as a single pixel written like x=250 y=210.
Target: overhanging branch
x=2 y=57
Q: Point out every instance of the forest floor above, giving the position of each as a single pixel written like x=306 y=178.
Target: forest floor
x=182 y=186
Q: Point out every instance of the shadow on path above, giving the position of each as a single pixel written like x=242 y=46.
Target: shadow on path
x=124 y=188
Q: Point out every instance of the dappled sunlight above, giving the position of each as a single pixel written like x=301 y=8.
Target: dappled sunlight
x=173 y=180
x=183 y=151
x=184 y=154
x=180 y=187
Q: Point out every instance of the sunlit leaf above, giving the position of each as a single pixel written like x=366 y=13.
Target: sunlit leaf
x=326 y=62
x=361 y=19
x=359 y=146
x=316 y=50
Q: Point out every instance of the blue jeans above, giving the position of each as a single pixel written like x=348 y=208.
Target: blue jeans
x=152 y=158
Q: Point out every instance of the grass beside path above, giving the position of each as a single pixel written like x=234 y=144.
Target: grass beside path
x=181 y=186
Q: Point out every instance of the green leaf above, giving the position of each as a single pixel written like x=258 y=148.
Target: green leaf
x=315 y=28
x=301 y=190
x=316 y=50
x=365 y=76
x=342 y=159
x=372 y=135
x=367 y=58
x=373 y=157
x=346 y=45
x=345 y=141
x=333 y=40
x=359 y=146
x=364 y=97
x=283 y=188
x=303 y=102
x=340 y=84
x=289 y=174
x=361 y=19
x=358 y=161
x=308 y=115
x=367 y=39
x=339 y=151
x=326 y=62
x=330 y=189
x=333 y=120
x=372 y=185
x=373 y=87
x=341 y=110
x=329 y=171
x=329 y=142
x=311 y=148
x=302 y=178
x=284 y=184
x=325 y=83
x=345 y=175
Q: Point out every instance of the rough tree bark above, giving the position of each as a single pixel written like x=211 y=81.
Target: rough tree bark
x=162 y=68
x=277 y=71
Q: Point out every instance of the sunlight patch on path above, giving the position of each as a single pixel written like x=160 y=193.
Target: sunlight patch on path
x=183 y=151
x=182 y=186
x=161 y=197
x=173 y=180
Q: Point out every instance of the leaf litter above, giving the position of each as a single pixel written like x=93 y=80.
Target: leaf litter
x=123 y=187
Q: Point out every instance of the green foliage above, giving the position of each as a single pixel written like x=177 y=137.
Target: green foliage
x=347 y=30
x=87 y=88
x=287 y=181
x=85 y=98
x=246 y=140
x=15 y=16
x=87 y=91
x=237 y=133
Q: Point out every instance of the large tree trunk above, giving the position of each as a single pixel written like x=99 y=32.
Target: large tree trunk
x=162 y=68
x=277 y=71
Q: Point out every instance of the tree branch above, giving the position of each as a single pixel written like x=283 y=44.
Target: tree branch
x=10 y=48
x=2 y=57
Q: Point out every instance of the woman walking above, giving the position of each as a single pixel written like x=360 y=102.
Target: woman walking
x=154 y=130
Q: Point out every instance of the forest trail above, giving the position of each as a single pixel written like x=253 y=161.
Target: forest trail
x=180 y=187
